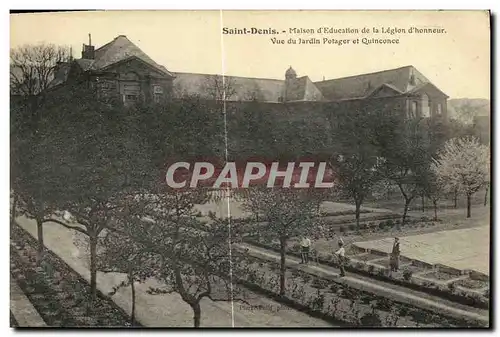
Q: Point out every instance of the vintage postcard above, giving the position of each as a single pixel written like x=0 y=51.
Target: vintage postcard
x=250 y=169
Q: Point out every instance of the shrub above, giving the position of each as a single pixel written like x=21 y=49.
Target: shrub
x=342 y=229
x=381 y=225
x=363 y=226
x=318 y=283
x=371 y=320
x=306 y=278
x=487 y=293
x=371 y=268
x=352 y=227
x=334 y=287
x=381 y=272
x=398 y=222
x=452 y=286
x=390 y=223
x=359 y=266
x=477 y=298
x=296 y=247
x=407 y=274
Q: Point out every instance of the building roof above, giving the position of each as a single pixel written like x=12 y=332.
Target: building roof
x=237 y=88
x=290 y=72
x=61 y=73
x=401 y=79
x=120 y=49
x=302 y=89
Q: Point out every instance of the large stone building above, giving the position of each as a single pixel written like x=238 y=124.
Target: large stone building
x=122 y=70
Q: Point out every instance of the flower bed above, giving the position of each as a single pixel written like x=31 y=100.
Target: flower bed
x=365 y=219
x=402 y=261
x=472 y=284
x=367 y=257
x=439 y=275
x=59 y=294
x=398 y=278
x=341 y=213
x=336 y=302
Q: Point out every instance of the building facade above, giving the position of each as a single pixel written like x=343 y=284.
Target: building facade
x=122 y=71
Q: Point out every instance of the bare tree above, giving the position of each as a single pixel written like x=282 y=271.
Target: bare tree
x=467 y=111
x=405 y=151
x=32 y=67
x=193 y=258
x=218 y=87
x=286 y=213
x=31 y=70
x=434 y=188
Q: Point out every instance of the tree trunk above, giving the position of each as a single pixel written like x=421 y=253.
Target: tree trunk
x=358 y=211
x=197 y=314
x=14 y=206
x=405 y=211
x=468 y=205
x=423 y=203
x=39 y=230
x=455 y=198
x=282 y=266
x=93 y=266
x=486 y=196
x=435 y=210
x=132 y=286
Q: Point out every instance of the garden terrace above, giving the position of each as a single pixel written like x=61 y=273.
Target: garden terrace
x=330 y=296
x=57 y=292
x=377 y=271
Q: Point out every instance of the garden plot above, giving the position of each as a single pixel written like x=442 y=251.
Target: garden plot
x=469 y=283
x=330 y=207
x=167 y=310
x=461 y=249
x=337 y=300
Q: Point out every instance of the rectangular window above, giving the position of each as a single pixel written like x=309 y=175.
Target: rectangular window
x=157 y=98
x=131 y=97
x=157 y=89
x=413 y=109
x=439 y=109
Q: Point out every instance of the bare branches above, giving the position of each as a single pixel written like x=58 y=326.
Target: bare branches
x=62 y=223
x=219 y=88
x=32 y=67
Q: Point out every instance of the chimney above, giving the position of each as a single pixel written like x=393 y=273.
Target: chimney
x=88 y=51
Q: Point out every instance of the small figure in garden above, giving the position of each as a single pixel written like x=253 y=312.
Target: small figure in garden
x=305 y=245
x=395 y=255
x=341 y=257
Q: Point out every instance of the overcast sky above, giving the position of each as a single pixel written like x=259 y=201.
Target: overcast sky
x=457 y=62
